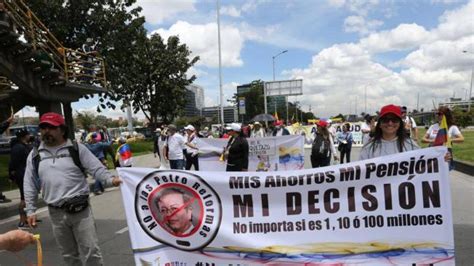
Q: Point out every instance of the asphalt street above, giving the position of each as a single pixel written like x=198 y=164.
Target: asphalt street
x=115 y=242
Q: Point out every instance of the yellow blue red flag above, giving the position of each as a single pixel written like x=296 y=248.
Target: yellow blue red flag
x=442 y=137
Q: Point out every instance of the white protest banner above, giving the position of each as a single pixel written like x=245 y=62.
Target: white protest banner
x=393 y=210
x=265 y=154
x=309 y=130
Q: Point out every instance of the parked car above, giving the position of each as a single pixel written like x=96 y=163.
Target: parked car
x=9 y=135
x=33 y=129
x=5 y=144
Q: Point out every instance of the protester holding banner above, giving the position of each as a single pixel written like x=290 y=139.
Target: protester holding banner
x=237 y=150
x=191 y=148
x=54 y=168
x=453 y=131
x=280 y=129
x=389 y=136
x=174 y=146
x=345 y=143
x=322 y=146
x=445 y=132
x=257 y=131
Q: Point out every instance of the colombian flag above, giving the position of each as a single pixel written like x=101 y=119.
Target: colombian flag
x=442 y=137
x=276 y=116
x=125 y=154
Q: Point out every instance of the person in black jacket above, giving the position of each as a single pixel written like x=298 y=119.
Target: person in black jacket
x=19 y=154
x=237 y=150
x=3 y=126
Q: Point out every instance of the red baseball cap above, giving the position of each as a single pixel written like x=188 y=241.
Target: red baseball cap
x=322 y=123
x=53 y=119
x=278 y=123
x=391 y=109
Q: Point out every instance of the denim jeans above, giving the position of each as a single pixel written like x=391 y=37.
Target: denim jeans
x=177 y=164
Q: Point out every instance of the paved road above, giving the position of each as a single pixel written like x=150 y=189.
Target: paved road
x=115 y=243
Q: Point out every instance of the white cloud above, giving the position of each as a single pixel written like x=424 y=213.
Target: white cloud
x=360 y=25
x=156 y=12
x=247 y=7
x=198 y=72
x=202 y=41
x=339 y=75
x=337 y=3
x=228 y=91
x=457 y=23
x=231 y=11
x=403 y=37
x=208 y=101
x=359 y=7
x=441 y=54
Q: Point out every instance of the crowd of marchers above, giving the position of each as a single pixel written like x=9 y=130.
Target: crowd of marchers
x=57 y=167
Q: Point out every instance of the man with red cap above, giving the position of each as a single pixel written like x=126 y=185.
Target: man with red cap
x=52 y=168
x=280 y=129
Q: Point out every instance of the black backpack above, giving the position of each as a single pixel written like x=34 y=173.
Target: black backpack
x=73 y=152
x=320 y=147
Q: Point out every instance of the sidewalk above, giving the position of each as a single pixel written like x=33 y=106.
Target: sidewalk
x=11 y=208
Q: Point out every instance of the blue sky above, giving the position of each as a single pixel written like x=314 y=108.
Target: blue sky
x=393 y=49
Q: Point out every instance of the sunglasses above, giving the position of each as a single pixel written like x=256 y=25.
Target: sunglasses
x=47 y=126
x=439 y=113
x=389 y=119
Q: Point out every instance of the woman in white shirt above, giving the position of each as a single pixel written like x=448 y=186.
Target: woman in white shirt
x=389 y=136
x=453 y=131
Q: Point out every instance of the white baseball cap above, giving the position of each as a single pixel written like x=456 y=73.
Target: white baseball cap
x=189 y=127
x=234 y=127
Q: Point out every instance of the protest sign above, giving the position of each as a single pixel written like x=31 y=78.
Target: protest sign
x=393 y=210
x=309 y=130
x=265 y=154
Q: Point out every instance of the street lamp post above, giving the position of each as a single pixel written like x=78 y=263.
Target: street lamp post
x=273 y=61
x=221 y=93
x=470 y=89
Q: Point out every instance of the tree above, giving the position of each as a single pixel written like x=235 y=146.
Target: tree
x=254 y=102
x=85 y=119
x=159 y=80
x=196 y=121
x=115 y=25
x=462 y=117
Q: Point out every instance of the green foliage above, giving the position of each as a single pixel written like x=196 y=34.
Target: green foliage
x=196 y=121
x=307 y=116
x=138 y=148
x=159 y=80
x=148 y=72
x=85 y=119
x=114 y=25
x=463 y=118
x=461 y=151
x=254 y=102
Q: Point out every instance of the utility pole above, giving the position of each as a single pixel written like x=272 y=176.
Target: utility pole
x=418 y=102
x=220 y=62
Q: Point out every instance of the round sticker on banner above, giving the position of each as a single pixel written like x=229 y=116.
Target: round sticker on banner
x=178 y=208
